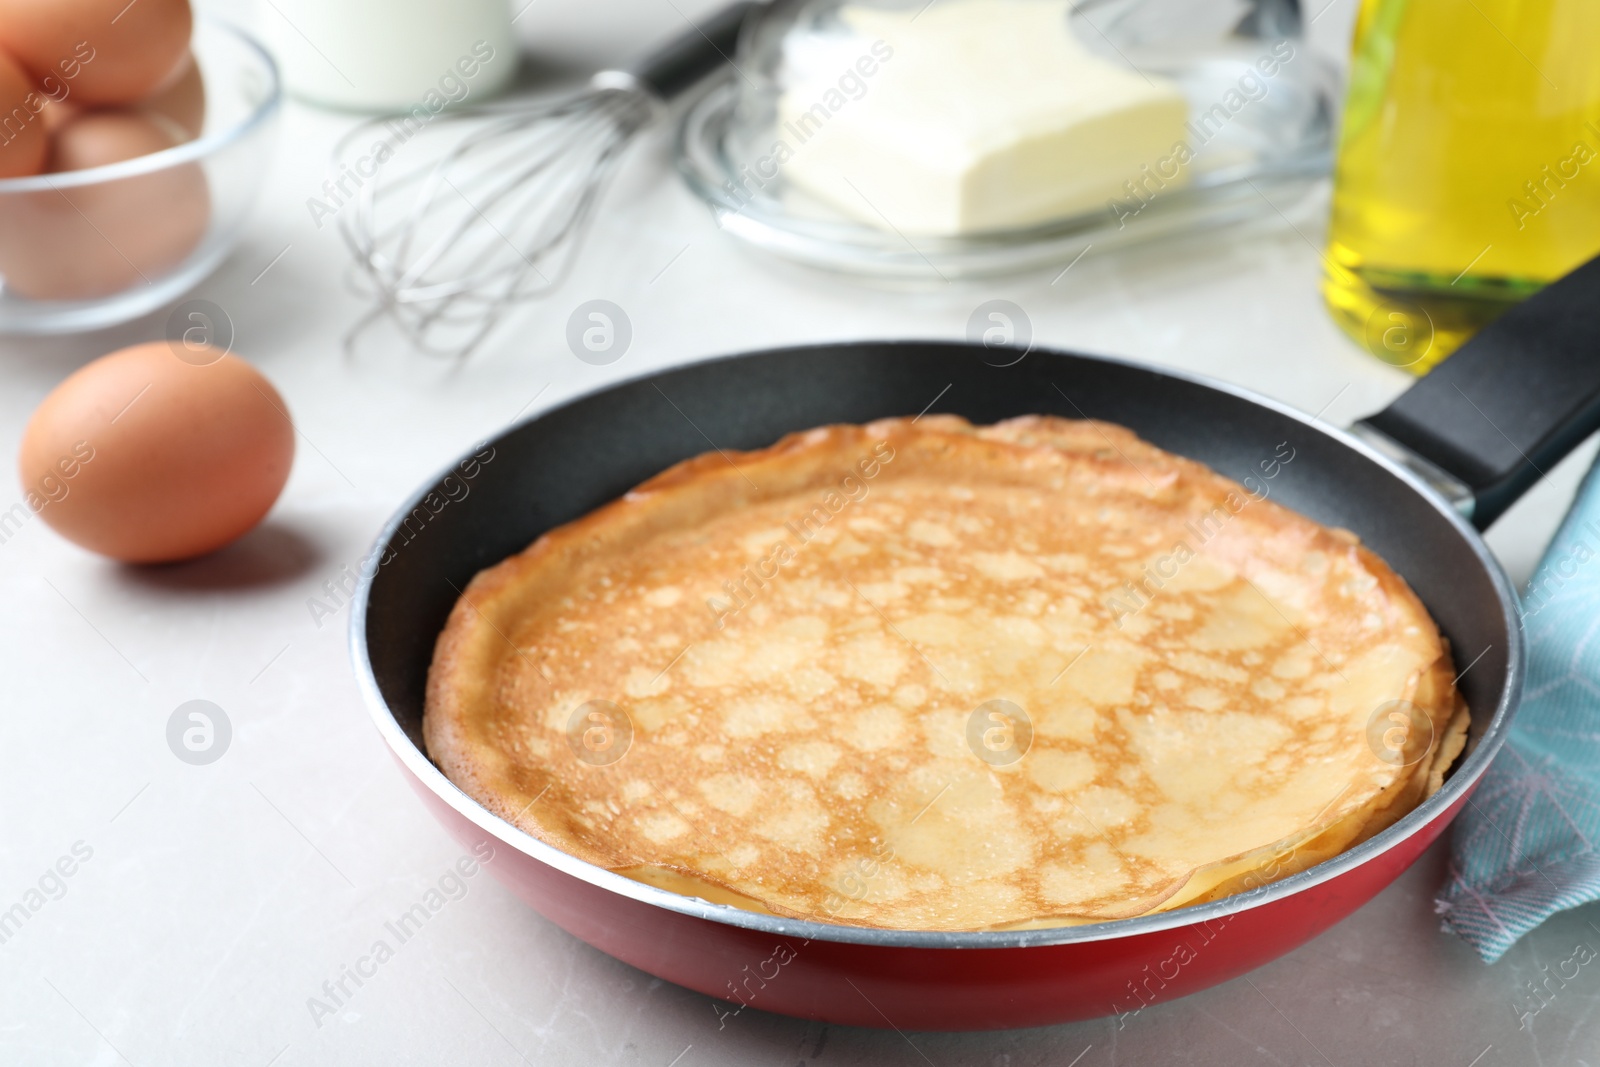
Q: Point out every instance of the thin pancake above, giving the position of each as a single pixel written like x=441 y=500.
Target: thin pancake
x=800 y=638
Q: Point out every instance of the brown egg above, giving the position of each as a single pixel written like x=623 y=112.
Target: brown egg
x=22 y=136
x=149 y=457
x=183 y=101
x=99 y=138
x=56 y=114
x=106 y=52
x=81 y=242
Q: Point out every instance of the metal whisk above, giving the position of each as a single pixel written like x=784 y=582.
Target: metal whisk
x=456 y=218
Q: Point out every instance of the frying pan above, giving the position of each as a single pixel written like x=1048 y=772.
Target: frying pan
x=1413 y=481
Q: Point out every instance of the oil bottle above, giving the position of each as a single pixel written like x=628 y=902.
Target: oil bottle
x=1468 y=170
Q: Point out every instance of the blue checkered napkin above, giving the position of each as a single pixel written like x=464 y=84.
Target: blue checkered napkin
x=1524 y=847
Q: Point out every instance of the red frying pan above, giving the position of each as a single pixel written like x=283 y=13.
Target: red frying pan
x=1413 y=481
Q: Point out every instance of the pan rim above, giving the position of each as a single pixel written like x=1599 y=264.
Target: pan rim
x=1454 y=790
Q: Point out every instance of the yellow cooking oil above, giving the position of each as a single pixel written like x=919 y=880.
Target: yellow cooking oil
x=1468 y=170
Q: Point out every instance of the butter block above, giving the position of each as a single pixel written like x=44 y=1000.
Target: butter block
x=978 y=115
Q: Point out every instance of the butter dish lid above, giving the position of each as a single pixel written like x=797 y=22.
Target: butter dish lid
x=936 y=139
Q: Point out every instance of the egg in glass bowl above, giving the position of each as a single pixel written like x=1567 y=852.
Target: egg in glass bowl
x=139 y=202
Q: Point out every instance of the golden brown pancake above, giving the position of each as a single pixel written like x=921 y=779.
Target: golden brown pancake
x=928 y=676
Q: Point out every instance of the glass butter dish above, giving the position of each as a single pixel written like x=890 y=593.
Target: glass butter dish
x=962 y=138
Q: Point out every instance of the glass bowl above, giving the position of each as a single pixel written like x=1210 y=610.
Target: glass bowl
x=1260 y=142
x=84 y=249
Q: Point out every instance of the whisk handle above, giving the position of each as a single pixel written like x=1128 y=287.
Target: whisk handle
x=695 y=53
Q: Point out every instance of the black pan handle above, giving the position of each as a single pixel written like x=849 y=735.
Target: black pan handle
x=693 y=54
x=1510 y=403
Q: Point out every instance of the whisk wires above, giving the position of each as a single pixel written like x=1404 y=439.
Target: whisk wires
x=481 y=209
